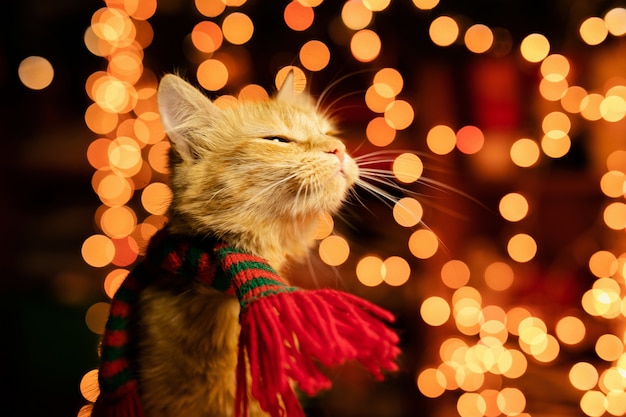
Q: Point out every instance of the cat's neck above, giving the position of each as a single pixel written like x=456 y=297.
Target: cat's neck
x=277 y=240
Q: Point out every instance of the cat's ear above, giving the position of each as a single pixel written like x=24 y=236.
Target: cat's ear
x=287 y=91
x=180 y=103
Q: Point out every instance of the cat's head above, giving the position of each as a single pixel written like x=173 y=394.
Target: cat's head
x=261 y=171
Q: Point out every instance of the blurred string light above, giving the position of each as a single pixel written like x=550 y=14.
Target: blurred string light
x=35 y=72
x=488 y=347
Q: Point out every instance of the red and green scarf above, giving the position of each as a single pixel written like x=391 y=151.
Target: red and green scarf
x=287 y=333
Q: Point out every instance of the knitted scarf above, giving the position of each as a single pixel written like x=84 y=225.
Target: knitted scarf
x=287 y=333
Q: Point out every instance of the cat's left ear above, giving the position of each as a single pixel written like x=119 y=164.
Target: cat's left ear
x=180 y=104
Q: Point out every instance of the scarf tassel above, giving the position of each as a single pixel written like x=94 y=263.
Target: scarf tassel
x=286 y=336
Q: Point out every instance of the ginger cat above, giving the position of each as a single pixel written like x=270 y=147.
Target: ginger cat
x=257 y=176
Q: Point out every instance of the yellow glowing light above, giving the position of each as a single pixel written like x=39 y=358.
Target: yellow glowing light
x=443 y=31
x=89 y=387
x=616 y=403
x=431 y=382
x=156 y=198
x=299 y=78
x=148 y=128
x=593 y=403
x=525 y=152
x=478 y=38
x=425 y=4
x=441 y=139
x=207 y=36
x=613 y=108
x=499 y=276
x=310 y=3
x=455 y=274
x=388 y=82
x=365 y=45
x=547 y=353
x=118 y=222
x=370 y=271
x=397 y=271
x=399 y=114
x=615 y=20
x=572 y=99
x=325 y=225
x=522 y=248
x=143 y=9
x=609 y=347
x=96 y=317
x=379 y=133
x=252 y=92
x=616 y=161
x=98 y=250
x=35 y=72
x=298 y=16
x=601 y=302
x=334 y=250
x=435 y=311
x=555 y=67
x=471 y=404
x=553 y=90
x=535 y=47
x=212 y=74
x=125 y=156
x=210 y=8
x=612 y=183
x=515 y=317
x=375 y=102
x=158 y=157
x=407 y=167
x=583 y=376
x=423 y=244
x=615 y=216
x=112 y=189
x=355 y=15
x=556 y=148
x=314 y=55
x=376 y=5
x=237 y=28
x=593 y=30
x=556 y=124
x=113 y=281
x=511 y=401
x=590 y=106
x=518 y=364
x=570 y=330
x=513 y=207
x=603 y=264
x=408 y=212
x=97 y=153
x=469 y=140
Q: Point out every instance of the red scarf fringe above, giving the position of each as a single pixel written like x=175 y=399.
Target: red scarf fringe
x=287 y=336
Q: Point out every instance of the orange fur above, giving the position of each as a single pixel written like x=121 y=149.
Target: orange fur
x=231 y=180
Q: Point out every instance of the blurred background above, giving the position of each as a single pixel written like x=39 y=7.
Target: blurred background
x=502 y=255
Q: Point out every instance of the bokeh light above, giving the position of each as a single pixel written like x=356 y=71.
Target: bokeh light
x=444 y=31
x=535 y=47
x=35 y=72
x=365 y=45
x=334 y=250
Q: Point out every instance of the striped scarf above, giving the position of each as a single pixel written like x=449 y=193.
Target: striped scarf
x=286 y=332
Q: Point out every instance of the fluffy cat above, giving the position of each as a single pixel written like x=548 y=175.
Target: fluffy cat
x=257 y=176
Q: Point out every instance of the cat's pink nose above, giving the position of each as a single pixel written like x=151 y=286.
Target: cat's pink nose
x=340 y=151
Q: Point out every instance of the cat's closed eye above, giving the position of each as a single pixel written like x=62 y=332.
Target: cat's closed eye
x=280 y=139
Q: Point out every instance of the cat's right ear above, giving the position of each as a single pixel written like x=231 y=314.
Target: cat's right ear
x=179 y=104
